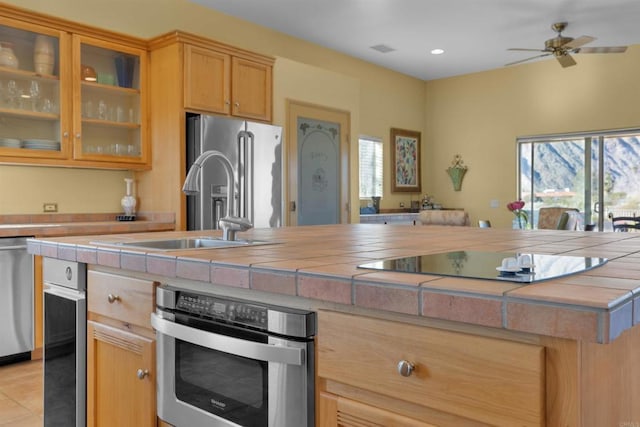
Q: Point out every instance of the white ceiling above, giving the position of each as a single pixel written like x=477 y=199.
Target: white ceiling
x=475 y=34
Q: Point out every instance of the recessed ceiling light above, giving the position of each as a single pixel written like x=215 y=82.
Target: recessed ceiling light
x=437 y=51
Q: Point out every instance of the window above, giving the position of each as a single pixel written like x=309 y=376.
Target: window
x=370 y=152
x=595 y=172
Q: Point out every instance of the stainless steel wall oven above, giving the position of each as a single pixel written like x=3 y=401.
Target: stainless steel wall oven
x=227 y=362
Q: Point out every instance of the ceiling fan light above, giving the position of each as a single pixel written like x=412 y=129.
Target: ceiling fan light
x=437 y=51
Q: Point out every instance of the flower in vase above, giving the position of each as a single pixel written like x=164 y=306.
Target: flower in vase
x=517 y=209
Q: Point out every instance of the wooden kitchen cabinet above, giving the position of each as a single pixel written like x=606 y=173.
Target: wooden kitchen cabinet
x=108 y=120
x=120 y=391
x=50 y=114
x=220 y=82
x=121 y=360
x=251 y=84
x=207 y=80
x=455 y=379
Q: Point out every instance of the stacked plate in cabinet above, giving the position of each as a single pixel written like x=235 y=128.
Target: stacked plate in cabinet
x=41 y=144
x=10 y=142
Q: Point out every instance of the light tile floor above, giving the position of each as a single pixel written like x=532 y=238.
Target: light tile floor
x=21 y=401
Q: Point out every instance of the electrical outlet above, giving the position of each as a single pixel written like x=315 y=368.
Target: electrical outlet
x=50 y=207
x=494 y=203
x=402 y=204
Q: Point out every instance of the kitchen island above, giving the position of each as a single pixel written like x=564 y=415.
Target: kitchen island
x=574 y=338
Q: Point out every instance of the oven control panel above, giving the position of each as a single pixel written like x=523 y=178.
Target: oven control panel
x=223 y=309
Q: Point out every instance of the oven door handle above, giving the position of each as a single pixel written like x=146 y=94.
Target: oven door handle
x=227 y=344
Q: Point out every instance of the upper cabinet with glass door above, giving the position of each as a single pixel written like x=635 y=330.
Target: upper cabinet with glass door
x=71 y=95
x=32 y=116
x=109 y=117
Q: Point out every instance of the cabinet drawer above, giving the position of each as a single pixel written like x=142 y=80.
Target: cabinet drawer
x=123 y=298
x=490 y=380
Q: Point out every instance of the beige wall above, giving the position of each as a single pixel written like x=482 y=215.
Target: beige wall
x=479 y=117
x=25 y=189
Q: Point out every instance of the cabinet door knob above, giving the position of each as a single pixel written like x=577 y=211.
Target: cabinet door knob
x=237 y=104
x=405 y=368
x=142 y=374
x=113 y=298
x=227 y=102
x=65 y=134
x=78 y=135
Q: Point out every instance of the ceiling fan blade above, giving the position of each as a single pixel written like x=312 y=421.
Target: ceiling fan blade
x=525 y=60
x=603 y=49
x=566 y=60
x=526 y=50
x=580 y=41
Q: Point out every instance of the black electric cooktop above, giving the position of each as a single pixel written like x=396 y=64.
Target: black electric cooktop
x=490 y=265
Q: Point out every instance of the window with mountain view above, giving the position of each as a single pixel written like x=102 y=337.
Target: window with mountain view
x=597 y=173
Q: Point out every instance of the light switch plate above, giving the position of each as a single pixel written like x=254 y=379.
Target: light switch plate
x=494 y=203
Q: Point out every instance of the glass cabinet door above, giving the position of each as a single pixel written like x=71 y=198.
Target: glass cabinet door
x=31 y=123
x=108 y=80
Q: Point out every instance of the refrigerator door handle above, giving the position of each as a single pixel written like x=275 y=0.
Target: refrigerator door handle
x=245 y=174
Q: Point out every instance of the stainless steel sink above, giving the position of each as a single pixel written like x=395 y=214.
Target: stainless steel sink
x=184 y=243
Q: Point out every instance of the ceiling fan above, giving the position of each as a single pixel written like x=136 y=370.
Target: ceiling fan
x=561 y=47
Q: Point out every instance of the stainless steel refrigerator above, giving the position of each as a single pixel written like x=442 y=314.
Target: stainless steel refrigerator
x=255 y=151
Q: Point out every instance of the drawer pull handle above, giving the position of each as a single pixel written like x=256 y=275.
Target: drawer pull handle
x=142 y=374
x=113 y=298
x=405 y=368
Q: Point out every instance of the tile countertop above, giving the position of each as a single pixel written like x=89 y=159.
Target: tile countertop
x=41 y=225
x=320 y=262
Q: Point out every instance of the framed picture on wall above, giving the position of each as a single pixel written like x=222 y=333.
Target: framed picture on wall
x=405 y=161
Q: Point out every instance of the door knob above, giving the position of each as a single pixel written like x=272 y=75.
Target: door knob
x=141 y=374
x=113 y=298
x=405 y=368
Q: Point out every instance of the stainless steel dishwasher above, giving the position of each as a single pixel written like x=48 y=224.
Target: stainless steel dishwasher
x=16 y=300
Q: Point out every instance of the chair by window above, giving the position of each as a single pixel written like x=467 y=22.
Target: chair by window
x=484 y=223
x=570 y=220
x=625 y=223
x=549 y=218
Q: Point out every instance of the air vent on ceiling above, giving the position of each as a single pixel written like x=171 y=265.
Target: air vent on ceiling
x=382 y=48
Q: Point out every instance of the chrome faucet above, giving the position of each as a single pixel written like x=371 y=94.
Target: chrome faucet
x=231 y=223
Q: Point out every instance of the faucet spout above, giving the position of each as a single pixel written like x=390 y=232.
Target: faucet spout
x=191 y=184
x=231 y=223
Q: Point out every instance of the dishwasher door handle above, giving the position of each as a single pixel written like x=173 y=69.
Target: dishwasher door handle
x=227 y=344
x=12 y=248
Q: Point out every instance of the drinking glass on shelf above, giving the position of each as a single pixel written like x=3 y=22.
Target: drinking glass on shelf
x=47 y=106
x=102 y=110
x=120 y=114
x=23 y=99
x=88 y=109
x=34 y=93
x=12 y=93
